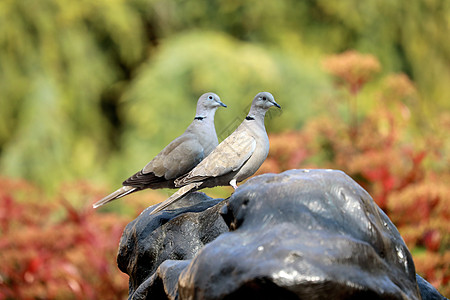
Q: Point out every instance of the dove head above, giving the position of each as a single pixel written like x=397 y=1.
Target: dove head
x=261 y=103
x=207 y=104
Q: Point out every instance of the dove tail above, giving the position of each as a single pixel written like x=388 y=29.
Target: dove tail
x=123 y=191
x=176 y=196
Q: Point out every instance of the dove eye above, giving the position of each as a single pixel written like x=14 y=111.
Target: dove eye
x=210 y=97
x=264 y=98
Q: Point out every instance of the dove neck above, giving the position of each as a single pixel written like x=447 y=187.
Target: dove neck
x=205 y=114
x=256 y=114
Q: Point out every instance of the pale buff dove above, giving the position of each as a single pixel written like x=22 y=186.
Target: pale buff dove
x=180 y=156
x=238 y=157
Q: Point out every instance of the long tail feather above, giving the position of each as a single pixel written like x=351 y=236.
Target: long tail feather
x=123 y=191
x=176 y=196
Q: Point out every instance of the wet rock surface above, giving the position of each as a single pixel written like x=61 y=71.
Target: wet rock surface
x=427 y=291
x=302 y=234
x=176 y=234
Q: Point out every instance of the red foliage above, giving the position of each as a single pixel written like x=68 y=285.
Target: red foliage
x=51 y=250
x=352 y=68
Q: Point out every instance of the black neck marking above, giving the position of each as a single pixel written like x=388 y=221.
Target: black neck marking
x=249 y=118
x=199 y=118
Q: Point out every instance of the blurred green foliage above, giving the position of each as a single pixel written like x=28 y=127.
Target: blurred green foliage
x=94 y=89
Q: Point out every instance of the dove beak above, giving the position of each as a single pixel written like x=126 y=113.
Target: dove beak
x=222 y=104
x=276 y=104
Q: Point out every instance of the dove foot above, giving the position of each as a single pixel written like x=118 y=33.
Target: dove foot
x=233 y=183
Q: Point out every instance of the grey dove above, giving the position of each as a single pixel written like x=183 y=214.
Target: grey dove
x=180 y=156
x=238 y=157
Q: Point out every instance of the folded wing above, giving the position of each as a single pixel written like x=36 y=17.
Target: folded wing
x=228 y=157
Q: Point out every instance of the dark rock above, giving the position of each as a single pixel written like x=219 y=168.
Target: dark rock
x=163 y=284
x=173 y=234
x=427 y=291
x=302 y=234
x=311 y=234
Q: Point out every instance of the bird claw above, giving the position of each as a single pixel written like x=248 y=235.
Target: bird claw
x=233 y=184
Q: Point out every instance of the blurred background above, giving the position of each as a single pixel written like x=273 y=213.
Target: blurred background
x=90 y=91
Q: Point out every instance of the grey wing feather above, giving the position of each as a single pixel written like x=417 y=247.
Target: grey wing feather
x=175 y=197
x=183 y=159
x=123 y=191
x=143 y=180
x=228 y=157
x=177 y=158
